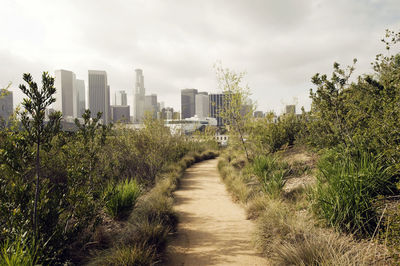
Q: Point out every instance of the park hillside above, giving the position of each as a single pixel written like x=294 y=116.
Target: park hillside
x=321 y=187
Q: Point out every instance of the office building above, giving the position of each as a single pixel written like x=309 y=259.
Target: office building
x=120 y=113
x=202 y=105
x=188 y=103
x=216 y=103
x=66 y=94
x=99 y=94
x=150 y=105
x=6 y=105
x=81 y=98
x=139 y=97
x=120 y=98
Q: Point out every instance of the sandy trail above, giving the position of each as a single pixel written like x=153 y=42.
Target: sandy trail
x=212 y=229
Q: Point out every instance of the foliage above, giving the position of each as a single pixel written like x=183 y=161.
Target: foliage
x=32 y=119
x=346 y=189
x=121 y=198
x=237 y=110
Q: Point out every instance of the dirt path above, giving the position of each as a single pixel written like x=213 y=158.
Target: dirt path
x=212 y=229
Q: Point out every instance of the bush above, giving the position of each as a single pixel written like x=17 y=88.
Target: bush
x=346 y=188
x=121 y=198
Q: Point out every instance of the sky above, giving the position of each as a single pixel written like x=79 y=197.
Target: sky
x=280 y=45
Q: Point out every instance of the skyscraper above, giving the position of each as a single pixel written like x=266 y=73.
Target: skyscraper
x=99 y=94
x=120 y=98
x=139 y=97
x=150 y=105
x=66 y=95
x=6 y=104
x=188 y=103
x=202 y=105
x=217 y=102
x=80 y=89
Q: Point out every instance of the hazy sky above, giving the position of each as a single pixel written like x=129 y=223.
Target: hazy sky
x=280 y=44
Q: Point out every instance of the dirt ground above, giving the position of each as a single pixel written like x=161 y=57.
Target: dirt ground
x=212 y=229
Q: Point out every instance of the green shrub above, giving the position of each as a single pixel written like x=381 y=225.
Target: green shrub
x=121 y=198
x=346 y=188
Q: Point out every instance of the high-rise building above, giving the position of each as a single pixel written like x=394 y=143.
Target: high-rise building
x=6 y=105
x=120 y=113
x=150 y=105
x=139 y=97
x=99 y=94
x=120 y=98
x=217 y=102
x=202 y=105
x=66 y=94
x=80 y=89
x=188 y=103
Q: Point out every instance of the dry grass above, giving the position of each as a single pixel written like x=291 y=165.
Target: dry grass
x=286 y=231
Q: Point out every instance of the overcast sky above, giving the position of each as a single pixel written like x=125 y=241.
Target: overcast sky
x=279 y=44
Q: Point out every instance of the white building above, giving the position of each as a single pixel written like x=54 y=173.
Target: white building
x=99 y=94
x=120 y=98
x=202 y=105
x=189 y=125
x=139 y=97
x=80 y=89
x=66 y=95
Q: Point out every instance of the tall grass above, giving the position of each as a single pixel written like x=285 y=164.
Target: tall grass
x=121 y=198
x=270 y=173
x=18 y=252
x=346 y=188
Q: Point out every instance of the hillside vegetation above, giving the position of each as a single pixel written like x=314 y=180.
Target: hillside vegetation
x=323 y=186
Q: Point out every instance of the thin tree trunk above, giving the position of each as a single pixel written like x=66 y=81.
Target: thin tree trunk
x=35 y=230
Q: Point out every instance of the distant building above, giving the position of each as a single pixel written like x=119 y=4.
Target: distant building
x=99 y=94
x=120 y=98
x=66 y=94
x=150 y=105
x=290 y=109
x=188 y=103
x=166 y=113
x=80 y=89
x=139 y=97
x=258 y=114
x=6 y=105
x=216 y=103
x=202 y=105
x=120 y=113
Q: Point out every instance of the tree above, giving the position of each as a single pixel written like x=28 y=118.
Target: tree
x=33 y=121
x=237 y=109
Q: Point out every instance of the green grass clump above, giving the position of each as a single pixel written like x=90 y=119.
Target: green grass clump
x=270 y=173
x=121 y=198
x=346 y=189
x=18 y=252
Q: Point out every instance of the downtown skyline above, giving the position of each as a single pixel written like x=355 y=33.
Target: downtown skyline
x=280 y=45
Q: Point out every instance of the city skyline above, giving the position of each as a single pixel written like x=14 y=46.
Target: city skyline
x=280 y=45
